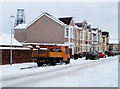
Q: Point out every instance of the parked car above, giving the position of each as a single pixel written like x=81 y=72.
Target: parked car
x=118 y=52
x=115 y=53
x=102 y=55
x=80 y=55
x=106 y=52
x=92 y=55
x=110 y=53
x=75 y=56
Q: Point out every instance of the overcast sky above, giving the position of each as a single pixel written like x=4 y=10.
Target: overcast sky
x=102 y=15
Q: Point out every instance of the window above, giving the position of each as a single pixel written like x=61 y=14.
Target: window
x=81 y=35
x=52 y=50
x=67 y=32
x=103 y=39
x=86 y=36
x=65 y=51
x=76 y=34
x=59 y=50
x=80 y=48
x=71 y=32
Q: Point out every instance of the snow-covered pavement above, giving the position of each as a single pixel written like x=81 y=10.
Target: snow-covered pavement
x=79 y=73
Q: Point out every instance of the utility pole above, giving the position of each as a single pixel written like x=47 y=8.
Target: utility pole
x=10 y=18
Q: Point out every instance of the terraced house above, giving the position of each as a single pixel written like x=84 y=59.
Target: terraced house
x=96 y=39
x=48 y=29
x=85 y=36
x=105 y=41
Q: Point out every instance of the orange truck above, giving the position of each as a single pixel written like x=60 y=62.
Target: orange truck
x=51 y=55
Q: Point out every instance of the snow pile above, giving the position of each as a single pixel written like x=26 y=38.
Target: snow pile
x=79 y=73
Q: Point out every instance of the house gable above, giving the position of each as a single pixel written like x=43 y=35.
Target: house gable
x=72 y=22
x=45 y=30
x=49 y=16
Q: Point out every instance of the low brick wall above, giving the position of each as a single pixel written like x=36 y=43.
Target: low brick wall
x=18 y=56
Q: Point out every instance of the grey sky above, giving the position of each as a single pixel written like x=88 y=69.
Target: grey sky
x=102 y=15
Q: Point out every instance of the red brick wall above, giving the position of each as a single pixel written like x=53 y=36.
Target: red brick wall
x=0 y=57
x=19 y=56
x=5 y=56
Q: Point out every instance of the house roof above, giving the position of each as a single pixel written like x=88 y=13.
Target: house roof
x=105 y=33
x=79 y=24
x=21 y=26
x=15 y=48
x=5 y=40
x=24 y=26
x=45 y=44
x=66 y=20
x=80 y=28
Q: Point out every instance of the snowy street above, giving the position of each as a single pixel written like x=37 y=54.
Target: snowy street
x=79 y=73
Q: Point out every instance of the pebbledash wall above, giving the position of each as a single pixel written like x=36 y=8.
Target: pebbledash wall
x=18 y=56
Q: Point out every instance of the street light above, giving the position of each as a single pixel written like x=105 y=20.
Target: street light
x=10 y=18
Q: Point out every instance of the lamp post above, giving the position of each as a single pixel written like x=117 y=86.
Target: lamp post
x=11 y=17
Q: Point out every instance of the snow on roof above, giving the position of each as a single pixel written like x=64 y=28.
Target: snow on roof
x=21 y=26
x=14 y=48
x=24 y=26
x=80 y=28
x=113 y=42
x=20 y=8
x=45 y=44
x=94 y=32
x=104 y=31
x=5 y=39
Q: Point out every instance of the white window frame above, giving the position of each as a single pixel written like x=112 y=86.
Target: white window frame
x=71 y=33
x=67 y=34
x=81 y=35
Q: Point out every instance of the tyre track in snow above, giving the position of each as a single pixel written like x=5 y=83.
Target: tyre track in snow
x=57 y=72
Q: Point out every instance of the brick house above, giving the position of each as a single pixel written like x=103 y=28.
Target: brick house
x=70 y=33
x=96 y=39
x=105 y=41
x=85 y=36
x=99 y=40
x=46 y=29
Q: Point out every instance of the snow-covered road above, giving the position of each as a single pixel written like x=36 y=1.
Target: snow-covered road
x=79 y=73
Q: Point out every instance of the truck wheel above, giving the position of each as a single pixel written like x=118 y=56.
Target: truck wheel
x=53 y=62
x=95 y=58
x=61 y=62
x=39 y=64
x=68 y=61
x=98 y=58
